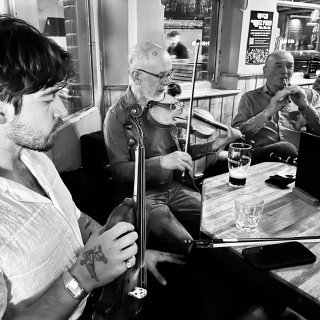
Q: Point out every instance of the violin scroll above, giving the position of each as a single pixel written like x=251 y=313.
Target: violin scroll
x=135 y=110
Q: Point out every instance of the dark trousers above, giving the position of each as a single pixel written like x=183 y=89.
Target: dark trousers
x=166 y=232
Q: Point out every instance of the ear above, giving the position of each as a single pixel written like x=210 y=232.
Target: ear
x=264 y=70
x=135 y=75
x=6 y=112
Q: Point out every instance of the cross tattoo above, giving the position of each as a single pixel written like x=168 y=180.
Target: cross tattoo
x=90 y=257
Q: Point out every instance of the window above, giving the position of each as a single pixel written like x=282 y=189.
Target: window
x=185 y=22
x=298 y=32
x=298 y=26
x=71 y=24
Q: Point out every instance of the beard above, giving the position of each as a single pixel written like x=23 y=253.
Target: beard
x=32 y=139
x=155 y=96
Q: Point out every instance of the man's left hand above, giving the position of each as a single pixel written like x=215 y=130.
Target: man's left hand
x=225 y=138
x=153 y=257
x=298 y=97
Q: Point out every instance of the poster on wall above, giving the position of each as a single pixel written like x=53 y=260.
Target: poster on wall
x=259 y=37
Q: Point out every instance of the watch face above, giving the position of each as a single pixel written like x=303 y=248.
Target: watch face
x=74 y=285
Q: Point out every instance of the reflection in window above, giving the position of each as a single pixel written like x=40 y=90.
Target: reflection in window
x=298 y=29
x=185 y=22
x=298 y=32
x=69 y=23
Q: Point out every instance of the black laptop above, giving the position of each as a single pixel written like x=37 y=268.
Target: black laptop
x=308 y=168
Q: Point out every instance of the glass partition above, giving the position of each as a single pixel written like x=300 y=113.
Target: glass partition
x=298 y=32
x=185 y=22
x=70 y=24
x=298 y=29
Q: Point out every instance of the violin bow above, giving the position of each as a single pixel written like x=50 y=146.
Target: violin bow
x=192 y=93
x=245 y=242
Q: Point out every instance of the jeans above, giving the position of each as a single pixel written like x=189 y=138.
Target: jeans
x=166 y=233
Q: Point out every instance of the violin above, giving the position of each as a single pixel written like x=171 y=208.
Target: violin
x=171 y=112
x=123 y=298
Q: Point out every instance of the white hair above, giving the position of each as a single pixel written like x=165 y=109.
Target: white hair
x=141 y=54
x=278 y=53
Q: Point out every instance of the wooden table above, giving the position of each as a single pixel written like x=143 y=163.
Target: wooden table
x=284 y=215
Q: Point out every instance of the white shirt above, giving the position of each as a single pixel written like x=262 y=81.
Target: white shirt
x=39 y=236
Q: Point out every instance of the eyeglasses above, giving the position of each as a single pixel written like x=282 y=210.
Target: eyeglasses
x=161 y=76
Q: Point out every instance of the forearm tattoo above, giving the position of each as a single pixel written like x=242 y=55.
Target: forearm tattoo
x=91 y=223
x=89 y=226
x=89 y=258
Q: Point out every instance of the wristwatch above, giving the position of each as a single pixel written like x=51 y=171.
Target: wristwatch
x=73 y=286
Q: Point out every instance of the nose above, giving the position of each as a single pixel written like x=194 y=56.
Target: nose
x=59 y=110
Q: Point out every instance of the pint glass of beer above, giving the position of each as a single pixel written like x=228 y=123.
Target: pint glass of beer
x=239 y=159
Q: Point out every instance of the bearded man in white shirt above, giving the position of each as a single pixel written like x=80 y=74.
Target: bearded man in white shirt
x=44 y=238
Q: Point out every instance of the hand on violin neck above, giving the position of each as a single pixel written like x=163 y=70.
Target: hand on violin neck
x=225 y=138
x=104 y=256
x=177 y=160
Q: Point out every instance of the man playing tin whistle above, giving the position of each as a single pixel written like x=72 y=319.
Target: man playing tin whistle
x=272 y=117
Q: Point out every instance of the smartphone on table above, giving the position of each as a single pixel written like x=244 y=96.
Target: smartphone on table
x=279 y=255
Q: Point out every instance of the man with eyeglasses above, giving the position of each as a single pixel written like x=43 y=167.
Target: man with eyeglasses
x=150 y=71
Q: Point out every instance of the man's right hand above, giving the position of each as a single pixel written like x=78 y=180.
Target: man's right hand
x=104 y=256
x=278 y=101
x=177 y=160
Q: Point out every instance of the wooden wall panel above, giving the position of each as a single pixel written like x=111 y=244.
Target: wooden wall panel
x=203 y=104
x=242 y=87
x=251 y=83
x=227 y=113
x=216 y=107
x=260 y=82
x=111 y=95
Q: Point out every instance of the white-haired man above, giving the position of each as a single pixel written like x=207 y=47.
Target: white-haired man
x=150 y=70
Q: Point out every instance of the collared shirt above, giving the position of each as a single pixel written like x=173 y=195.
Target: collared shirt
x=316 y=84
x=285 y=125
x=39 y=236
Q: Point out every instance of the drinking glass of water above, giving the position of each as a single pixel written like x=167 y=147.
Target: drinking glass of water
x=248 y=210
x=239 y=159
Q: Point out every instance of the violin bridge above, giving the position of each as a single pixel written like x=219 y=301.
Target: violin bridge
x=138 y=293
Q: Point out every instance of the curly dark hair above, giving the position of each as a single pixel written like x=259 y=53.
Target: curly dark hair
x=29 y=61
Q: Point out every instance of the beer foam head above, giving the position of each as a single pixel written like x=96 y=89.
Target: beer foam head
x=239 y=173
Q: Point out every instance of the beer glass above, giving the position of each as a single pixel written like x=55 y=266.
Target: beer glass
x=239 y=159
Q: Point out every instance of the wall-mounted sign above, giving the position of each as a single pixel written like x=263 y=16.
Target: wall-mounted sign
x=259 y=37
